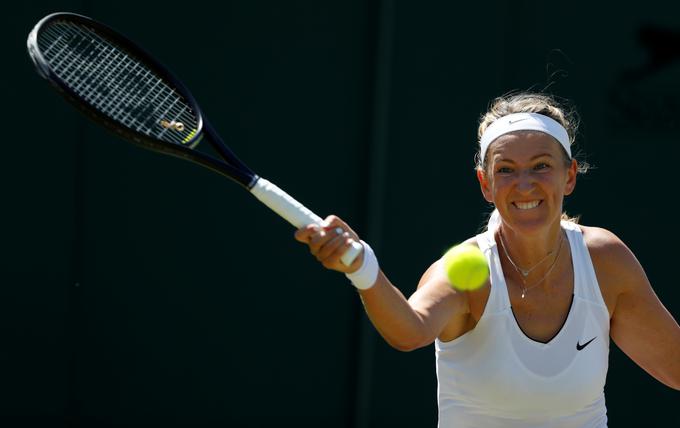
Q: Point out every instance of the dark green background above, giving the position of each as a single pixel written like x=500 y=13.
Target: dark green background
x=140 y=290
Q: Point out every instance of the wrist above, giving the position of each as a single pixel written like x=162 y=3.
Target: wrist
x=366 y=276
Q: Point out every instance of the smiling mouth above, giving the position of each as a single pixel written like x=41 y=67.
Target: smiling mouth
x=527 y=205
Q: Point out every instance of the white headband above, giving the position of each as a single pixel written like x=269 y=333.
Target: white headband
x=524 y=122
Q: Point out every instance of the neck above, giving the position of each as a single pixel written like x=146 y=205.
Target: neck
x=528 y=250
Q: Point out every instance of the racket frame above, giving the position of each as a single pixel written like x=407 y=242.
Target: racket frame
x=231 y=167
x=234 y=169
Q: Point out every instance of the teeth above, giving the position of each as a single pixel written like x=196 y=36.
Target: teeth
x=526 y=205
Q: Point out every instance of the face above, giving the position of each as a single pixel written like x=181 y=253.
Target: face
x=527 y=179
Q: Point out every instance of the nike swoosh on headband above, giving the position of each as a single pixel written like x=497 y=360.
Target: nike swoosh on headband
x=524 y=122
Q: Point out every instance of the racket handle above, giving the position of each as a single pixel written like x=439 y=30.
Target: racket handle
x=294 y=212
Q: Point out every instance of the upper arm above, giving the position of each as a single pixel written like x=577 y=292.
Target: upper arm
x=640 y=324
x=436 y=299
x=408 y=324
x=440 y=306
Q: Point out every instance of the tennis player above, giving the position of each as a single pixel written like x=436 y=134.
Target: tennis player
x=530 y=348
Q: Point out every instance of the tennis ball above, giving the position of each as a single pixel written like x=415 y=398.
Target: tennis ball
x=465 y=267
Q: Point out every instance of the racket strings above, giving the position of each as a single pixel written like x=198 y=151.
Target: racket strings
x=117 y=84
x=126 y=109
x=75 y=69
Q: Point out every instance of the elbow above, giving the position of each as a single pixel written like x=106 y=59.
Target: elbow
x=670 y=379
x=408 y=343
x=403 y=346
x=406 y=348
x=674 y=382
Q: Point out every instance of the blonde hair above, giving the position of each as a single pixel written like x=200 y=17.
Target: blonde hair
x=532 y=102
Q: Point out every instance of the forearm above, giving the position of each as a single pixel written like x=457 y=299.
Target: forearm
x=404 y=324
x=393 y=317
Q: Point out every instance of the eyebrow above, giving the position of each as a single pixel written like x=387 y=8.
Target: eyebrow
x=540 y=155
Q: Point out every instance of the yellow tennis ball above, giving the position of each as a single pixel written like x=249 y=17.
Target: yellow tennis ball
x=465 y=267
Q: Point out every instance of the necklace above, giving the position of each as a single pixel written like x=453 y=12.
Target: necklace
x=526 y=272
x=525 y=289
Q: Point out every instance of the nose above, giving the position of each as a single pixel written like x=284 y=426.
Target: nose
x=525 y=182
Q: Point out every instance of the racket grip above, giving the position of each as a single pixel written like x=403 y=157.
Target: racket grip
x=294 y=212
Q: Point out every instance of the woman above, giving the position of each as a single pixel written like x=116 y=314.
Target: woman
x=529 y=348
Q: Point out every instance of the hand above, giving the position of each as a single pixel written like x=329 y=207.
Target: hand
x=329 y=241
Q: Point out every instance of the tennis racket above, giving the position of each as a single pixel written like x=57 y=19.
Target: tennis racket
x=118 y=84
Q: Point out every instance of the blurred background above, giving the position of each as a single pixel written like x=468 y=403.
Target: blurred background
x=139 y=290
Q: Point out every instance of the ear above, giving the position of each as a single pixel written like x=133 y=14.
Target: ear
x=572 y=172
x=484 y=185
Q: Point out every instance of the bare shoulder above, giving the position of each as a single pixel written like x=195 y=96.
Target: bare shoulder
x=606 y=249
x=434 y=272
x=437 y=300
x=616 y=266
x=434 y=287
x=598 y=238
x=640 y=325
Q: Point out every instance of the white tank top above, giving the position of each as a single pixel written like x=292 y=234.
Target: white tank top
x=494 y=376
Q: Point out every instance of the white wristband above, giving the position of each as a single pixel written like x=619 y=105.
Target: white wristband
x=365 y=277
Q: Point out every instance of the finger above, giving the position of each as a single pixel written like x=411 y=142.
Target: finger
x=331 y=246
x=322 y=238
x=334 y=259
x=332 y=222
x=305 y=233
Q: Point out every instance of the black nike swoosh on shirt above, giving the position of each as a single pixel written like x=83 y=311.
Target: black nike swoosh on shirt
x=579 y=346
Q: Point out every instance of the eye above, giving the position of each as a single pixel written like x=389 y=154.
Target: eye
x=504 y=170
x=541 y=165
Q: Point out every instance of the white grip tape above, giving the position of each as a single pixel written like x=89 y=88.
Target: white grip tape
x=351 y=253
x=283 y=204
x=294 y=212
x=365 y=277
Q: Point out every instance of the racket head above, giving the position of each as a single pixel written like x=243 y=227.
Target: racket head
x=119 y=85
